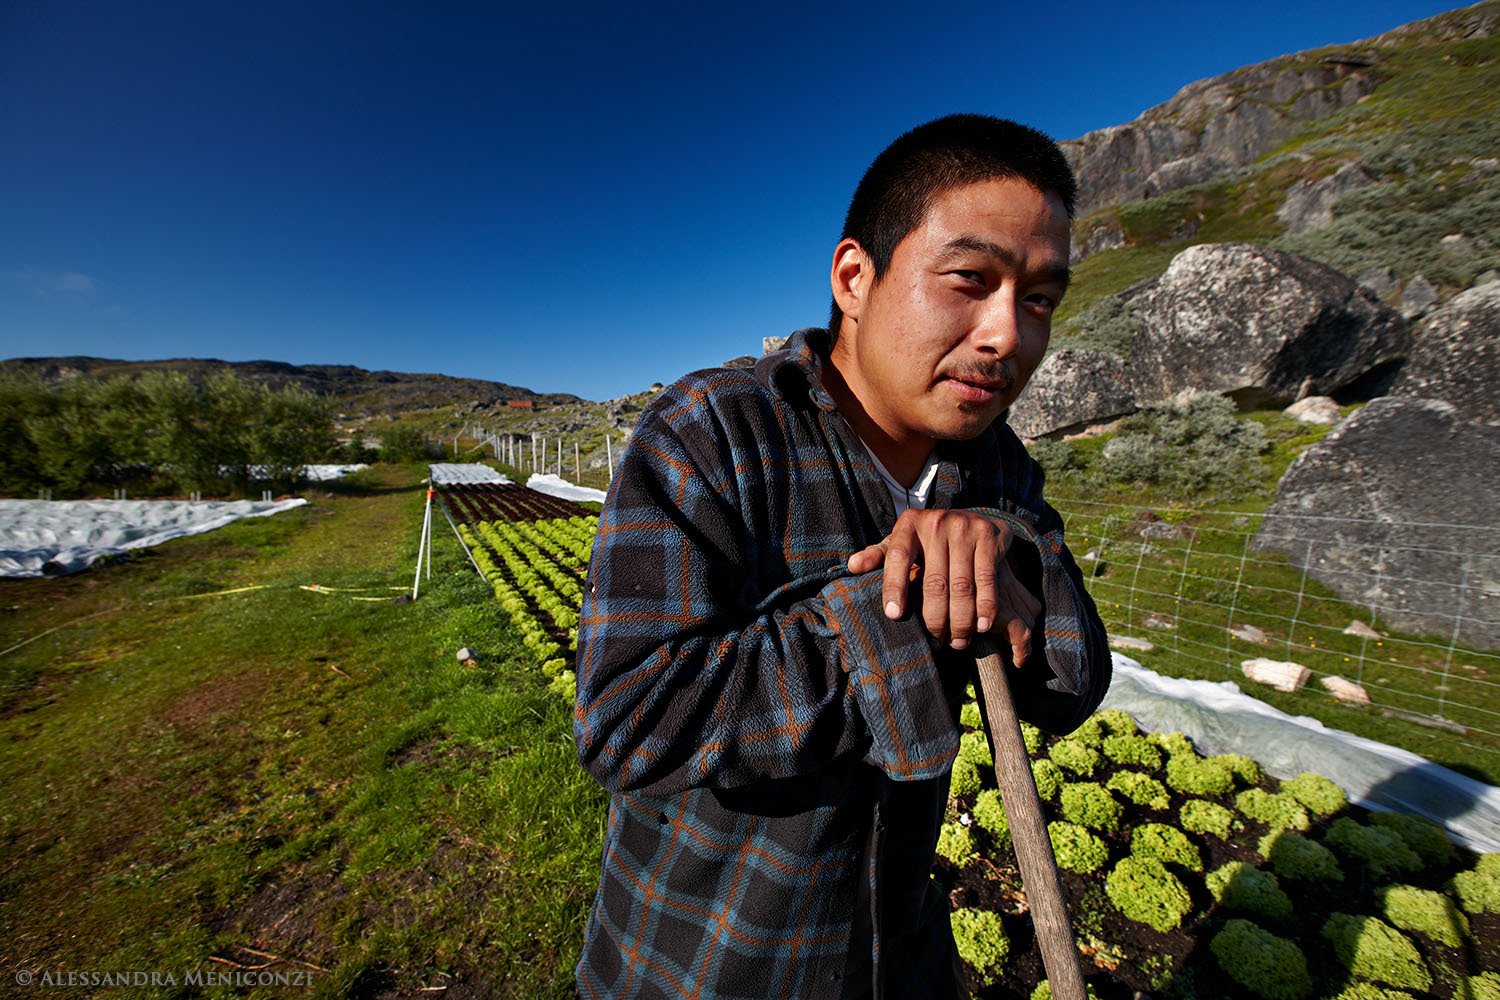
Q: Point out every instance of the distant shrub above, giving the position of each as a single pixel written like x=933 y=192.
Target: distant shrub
x=1074 y=756
x=1246 y=889
x=956 y=844
x=1192 y=444
x=1372 y=949
x=1139 y=788
x=969 y=715
x=1090 y=804
x=1049 y=778
x=1076 y=849
x=1320 y=796
x=1146 y=892
x=975 y=748
x=1428 y=839
x=965 y=780
x=989 y=816
x=980 y=938
x=1106 y=325
x=1380 y=850
x=1294 y=856
x=1196 y=775
x=1133 y=750
x=1167 y=844
x=1258 y=960
x=1279 y=812
x=1423 y=911
x=1478 y=890
x=1203 y=816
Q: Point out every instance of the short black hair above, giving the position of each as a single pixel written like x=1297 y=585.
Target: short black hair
x=897 y=190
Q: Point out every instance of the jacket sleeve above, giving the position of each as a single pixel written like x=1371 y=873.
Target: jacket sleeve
x=688 y=677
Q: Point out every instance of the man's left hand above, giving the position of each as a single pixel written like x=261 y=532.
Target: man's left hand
x=967 y=584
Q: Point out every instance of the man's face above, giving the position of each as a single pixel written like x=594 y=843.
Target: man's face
x=947 y=338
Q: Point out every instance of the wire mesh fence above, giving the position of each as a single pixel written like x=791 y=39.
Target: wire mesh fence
x=1393 y=621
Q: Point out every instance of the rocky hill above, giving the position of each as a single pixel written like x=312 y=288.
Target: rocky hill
x=354 y=390
x=1379 y=158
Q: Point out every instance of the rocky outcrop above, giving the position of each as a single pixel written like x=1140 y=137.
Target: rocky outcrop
x=1377 y=512
x=1262 y=326
x=1230 y=120
x=1457 y=358
x=1211 y=126
x=1309 y=204
x=1070 y=390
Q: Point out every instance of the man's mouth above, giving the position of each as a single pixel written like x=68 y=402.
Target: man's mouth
x=978 y=386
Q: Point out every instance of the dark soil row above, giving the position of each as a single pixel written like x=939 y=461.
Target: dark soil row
x=508 y=502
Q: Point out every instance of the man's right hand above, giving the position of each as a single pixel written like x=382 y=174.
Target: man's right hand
x=967 y=584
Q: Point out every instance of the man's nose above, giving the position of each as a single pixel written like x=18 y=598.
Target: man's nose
x=999 y=324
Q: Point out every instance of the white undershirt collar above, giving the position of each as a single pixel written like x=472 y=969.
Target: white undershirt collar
x=904 y=498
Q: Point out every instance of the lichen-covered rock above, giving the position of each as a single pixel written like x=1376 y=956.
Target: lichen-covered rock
x=1263 y=326
x=1457 y=357
x=1309 y=204
x=1340 y=506
x=1071 y=389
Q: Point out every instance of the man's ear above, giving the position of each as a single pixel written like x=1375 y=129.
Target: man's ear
x=852 y=276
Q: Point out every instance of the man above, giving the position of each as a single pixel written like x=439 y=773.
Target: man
x=769 y=699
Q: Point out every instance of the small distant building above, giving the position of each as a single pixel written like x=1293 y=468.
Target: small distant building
x=521 y=404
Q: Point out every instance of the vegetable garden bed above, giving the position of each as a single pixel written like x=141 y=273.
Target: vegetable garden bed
x=1186 y=876
x=475 y=503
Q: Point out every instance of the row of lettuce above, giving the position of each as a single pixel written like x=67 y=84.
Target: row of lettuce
x=1126 y=828
x=534 y=568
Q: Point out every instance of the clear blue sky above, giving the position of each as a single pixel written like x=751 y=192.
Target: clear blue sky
x=582 y=197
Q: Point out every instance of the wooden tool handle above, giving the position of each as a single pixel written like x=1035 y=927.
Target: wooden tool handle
x=1028 y=829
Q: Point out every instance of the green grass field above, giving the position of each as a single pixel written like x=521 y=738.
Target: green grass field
x=196 y=780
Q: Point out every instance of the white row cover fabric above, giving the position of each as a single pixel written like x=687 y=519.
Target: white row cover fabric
x=54 y=538
x=455 y=474
x=1220 y=718
x=557 y=486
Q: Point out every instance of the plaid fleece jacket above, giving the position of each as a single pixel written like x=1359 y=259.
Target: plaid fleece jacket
x=777 y=750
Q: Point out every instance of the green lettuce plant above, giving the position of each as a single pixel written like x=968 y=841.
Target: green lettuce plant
x=1372 y=949
x=1380 y=850
x=1279 y=812
x=1142 y=789
x=1145 y=891
x=1090 y=804
x=1076 y=849
x=1317 y=794
x=1294 y=856
x=1203 y=816
x=1246 y=889
x=1165 y=843
x=1258 y=960
x=1423 y=911
x=980 y=938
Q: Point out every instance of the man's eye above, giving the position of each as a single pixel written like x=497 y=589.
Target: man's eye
x=973 y=276
x=1040 y=301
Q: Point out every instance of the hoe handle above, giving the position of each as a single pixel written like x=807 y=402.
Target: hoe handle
x=1028 y=830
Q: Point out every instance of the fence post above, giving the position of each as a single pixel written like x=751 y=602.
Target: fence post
x=609 y=453
x=576 y=473
x=1291 y=633
x=1234 y=602
x=1458 y=616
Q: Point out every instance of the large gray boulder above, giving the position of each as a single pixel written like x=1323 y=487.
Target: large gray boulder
x=1071 y=389
x=1262 y=326
x=1397 y=510
x=1457 y=358
x=1309 y=204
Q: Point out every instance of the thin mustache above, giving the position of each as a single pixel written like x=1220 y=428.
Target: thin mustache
x=983 y=374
